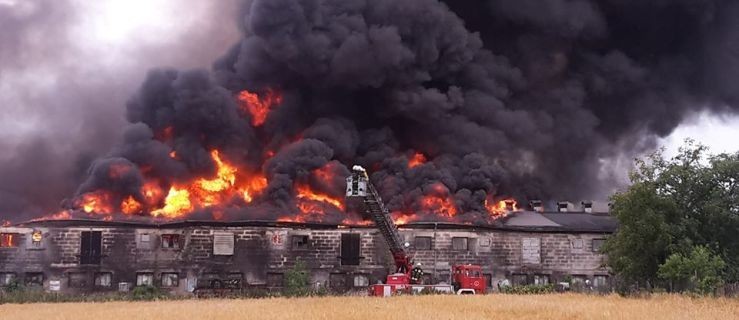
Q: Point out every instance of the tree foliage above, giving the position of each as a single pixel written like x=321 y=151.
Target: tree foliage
x=677 y=206
x=700 y=271
x=297 y=280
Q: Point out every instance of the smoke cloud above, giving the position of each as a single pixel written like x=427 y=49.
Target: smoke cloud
x=523 y=99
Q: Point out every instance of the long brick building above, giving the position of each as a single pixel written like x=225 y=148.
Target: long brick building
x=78 y=256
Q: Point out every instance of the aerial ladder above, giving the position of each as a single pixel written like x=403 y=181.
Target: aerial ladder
x=466 y=278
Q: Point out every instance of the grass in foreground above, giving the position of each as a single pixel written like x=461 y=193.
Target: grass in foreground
x=553 y=306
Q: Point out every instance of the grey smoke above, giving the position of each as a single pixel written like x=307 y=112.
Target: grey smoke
x=505 y=98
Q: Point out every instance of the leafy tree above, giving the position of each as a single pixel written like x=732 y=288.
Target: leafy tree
x=700 y=271
x=673 y=206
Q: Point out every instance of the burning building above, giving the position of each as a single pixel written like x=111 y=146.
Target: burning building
x=83 y=256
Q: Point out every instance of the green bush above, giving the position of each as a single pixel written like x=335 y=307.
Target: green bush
x=528 y=289
x=297 y=281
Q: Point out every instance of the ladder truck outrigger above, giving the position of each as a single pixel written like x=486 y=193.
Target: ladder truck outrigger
x=466 y=279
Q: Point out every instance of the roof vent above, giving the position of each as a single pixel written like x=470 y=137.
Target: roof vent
x=564 y=206
x=587 y=206
x=536 y=205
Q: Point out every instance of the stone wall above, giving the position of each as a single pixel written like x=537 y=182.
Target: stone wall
x=186 y=257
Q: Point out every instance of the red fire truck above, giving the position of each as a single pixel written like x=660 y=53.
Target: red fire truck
x=466 y=279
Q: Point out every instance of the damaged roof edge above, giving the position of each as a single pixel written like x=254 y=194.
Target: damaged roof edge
x=600 y=225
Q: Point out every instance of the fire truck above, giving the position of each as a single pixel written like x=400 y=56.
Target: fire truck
x=407 y=278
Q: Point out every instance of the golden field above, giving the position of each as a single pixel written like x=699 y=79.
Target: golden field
x=553 y=306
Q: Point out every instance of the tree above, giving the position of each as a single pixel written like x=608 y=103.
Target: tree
x=699 y=272
x=672 y=207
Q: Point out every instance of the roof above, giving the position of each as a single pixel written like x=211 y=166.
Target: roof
x=528 y=221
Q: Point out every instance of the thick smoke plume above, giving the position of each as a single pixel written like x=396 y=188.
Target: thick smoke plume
x=449 y=105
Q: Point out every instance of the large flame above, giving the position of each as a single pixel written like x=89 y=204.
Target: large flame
x=258 y=107
x=501 y=208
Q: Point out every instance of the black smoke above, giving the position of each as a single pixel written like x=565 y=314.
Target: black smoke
x=504 y=98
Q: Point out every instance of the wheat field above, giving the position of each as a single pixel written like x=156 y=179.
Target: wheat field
x=554 y=306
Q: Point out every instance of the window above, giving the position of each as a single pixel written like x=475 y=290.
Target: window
x=143 y=241
x=103 y=279
x=234 y=280
x=361 y=280
x=8 y=240
x=337 y=280
x=349 y=249
x=90 y=247
x=578 y=280
x=600 y=281
x=34 y=279
x=78 y=280
x=459 y=243
x=597 y=244
x=144 y=238
x=300 y=242
x=541 y=279
x=223 y=243
x=171 y=241
x=274 y=279
x=36 y=238
x=577 y=243
x=423 y=243
x=7 y=278
x=144 y=279
x=170 y=279
x=520 y=280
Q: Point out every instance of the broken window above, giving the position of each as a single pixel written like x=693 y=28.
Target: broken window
x=423 y=243
x=7 y=278
x=460 y=243
x=274 y=279
x=597 y=244
x=171 y=241
x=103 y=279
x=349 y=249
x=144 y=279
x=78 y=279
x=361 y=280
x=36 y=238
x=337 y=280
x=541 y=279
x=90 y=247
x=520 y=280
x=34 y=279
x=170 y=279
x=234 y=280
x=300 y=242
x=8 y=240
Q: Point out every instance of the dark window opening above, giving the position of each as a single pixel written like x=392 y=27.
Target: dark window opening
x=275 y=280
x=170 y=279
x=423 y=243
x=34 y=279
x=337 y=280
x=103 y=280
x=300 y=242
x=234 y=280
x=90 y=247
x=361 y=280
x=171 y=241
x=597 y=244
x=8 y=240
x=520 y=280
x=78 y=280
x=600 y=281
x=459 y=243
x=7 y=278
x=349 y=249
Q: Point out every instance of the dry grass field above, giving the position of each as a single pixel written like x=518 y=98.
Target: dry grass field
x=569 y=306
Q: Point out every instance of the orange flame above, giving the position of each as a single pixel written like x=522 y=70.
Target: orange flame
x=258 y=107
x=95 y=202
x=131 y=206
x=305 y=193
x=501 y=208
x=417 y=160
x=439 y=205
